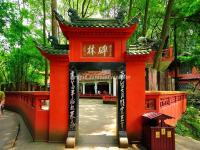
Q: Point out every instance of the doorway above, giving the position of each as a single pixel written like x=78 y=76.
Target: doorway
x=93 y=122
x=97 y=121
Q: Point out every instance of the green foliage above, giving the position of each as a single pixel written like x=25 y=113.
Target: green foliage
x=192 y=57
x=7 y=13
x=193 y=99
x=20 y=61
x=181 y=129
x=189 y=124
x=21 y=21
x=186 y=7
x=188 y=32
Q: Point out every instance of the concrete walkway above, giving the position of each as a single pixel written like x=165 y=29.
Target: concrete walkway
x=8 y=130
x=97 y=131
x=97 y=124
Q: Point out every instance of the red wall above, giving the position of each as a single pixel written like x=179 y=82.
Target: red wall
x=28 y=104
x=175 y=110
x=135 y=96
x=58 y=113
x=171 y=103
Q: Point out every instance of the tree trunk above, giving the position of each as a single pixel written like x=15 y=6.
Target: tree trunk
x=175 y=57
x=152 y=79
x=86 y=10
x=196 y=85
x=144 y=27
x=44 y=41
x=44 y=22
x=130 y=9
x=54 y=22
x=77 y=2
x=19 y=55
x=69 y=3
x=83 y=7
x=163 y=34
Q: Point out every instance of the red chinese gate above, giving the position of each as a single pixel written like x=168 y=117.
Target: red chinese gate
x=98 y=44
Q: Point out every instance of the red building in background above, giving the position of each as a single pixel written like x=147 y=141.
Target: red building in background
x=188 y=76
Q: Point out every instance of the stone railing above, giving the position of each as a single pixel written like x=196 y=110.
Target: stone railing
x=33 y=107
x=171 y=103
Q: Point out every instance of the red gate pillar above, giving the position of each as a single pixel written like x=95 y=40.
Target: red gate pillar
x=58 y=114
x=135 y=96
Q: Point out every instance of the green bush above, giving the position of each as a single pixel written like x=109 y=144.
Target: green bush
x=181 y=129
x=189 y=125
x=193 y=99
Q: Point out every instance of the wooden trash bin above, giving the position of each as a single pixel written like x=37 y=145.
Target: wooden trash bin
x=156 y=134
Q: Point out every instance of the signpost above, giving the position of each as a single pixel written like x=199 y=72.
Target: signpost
x=97 y=50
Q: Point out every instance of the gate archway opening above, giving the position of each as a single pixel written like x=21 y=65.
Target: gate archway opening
x=110 y=119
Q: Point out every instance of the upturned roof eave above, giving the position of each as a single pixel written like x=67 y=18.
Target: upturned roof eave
x=60 y=56
x=123 y=29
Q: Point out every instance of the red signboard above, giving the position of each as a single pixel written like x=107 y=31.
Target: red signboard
x=97 y=50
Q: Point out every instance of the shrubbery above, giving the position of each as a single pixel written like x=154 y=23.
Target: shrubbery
x=194 y=99
x=189 y=125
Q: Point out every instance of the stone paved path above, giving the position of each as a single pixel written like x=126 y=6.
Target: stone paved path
x=97 y=124
x=8 y=130
x=97 y=131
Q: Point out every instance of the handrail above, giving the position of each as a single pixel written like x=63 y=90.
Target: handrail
x=30 y=105
x=171 y=103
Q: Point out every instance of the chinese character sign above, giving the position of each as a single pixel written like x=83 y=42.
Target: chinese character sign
x=97 y=50
x=72 y=100
x=122 y=101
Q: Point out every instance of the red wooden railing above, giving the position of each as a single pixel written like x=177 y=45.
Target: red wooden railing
x=90 y=95
x=167 y=55
x=109 y=99
x=166 y=102
x=31 y=107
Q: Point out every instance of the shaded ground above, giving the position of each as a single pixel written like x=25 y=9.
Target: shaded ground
x=186 y=143
x=97 y=124
x=8 y=130
x=97 y=131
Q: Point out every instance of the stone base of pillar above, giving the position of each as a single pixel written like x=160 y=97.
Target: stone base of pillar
x=71 y=140
x=123 y=139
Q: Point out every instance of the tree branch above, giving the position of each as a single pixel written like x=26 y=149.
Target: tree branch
x=144 y=27
x=87 y=8
x=163 y=34
x=83 y=6
x=130 y=9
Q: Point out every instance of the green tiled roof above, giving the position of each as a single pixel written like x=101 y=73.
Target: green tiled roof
x=51 y=50
x=138 y=50
x=95 y=22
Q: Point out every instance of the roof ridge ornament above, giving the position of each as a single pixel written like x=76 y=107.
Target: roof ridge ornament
x=120 y=16
x=51 y=50
x=73 y=14
x=74 y=17
x=78 y=22
x=55 y=43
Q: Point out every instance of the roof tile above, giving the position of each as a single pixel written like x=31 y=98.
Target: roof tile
x=51 y=50
x=95 y=22
x=138 y=50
